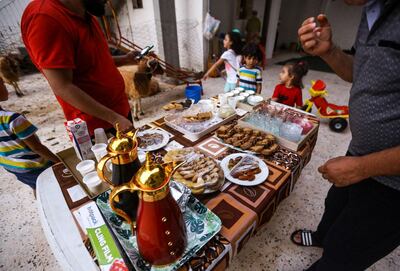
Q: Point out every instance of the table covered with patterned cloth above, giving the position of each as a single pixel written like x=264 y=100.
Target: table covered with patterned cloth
x=243 y=210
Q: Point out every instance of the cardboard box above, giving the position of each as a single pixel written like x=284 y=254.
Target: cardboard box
x=79 y=135
x=91 y=221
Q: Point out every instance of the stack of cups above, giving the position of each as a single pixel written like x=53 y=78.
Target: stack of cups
x=88 y=171
x=100 y=136
x=99 y=150
x=223 y=99
x=93 y=182
x=86 y=166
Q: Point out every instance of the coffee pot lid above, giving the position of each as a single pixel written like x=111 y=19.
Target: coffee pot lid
x=122 y=142
x=152 y=176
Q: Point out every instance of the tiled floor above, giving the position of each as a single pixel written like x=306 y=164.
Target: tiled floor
x=24 y=247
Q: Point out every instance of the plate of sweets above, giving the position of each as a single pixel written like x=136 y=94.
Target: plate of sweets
x=244 y=169
x=202 y=174
x=152 y=139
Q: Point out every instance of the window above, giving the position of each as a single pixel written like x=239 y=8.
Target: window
x=137 y=4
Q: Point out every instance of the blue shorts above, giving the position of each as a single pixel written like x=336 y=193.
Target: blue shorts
x=28 y=178
x=229 y=86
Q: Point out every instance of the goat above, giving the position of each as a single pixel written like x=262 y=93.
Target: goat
x=9 y=73
x=139 y=83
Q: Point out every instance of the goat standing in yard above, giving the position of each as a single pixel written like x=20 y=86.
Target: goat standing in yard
x=139 y=83
x=9 y=73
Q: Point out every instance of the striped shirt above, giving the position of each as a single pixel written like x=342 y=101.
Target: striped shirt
x=249 y=78
x=15 y=155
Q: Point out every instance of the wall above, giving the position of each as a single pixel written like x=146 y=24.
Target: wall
x=142 y=26
x=292 y=14
x=227 y=11
x=10 y=17
x=344 y=20
x=224 y=10
x=259 y=6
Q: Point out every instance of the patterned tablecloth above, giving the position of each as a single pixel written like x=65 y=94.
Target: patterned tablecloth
x=242 y=210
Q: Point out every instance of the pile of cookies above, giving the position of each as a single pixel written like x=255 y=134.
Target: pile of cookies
x=199 y=173
x=148 y=140
x=198 y=117
x=248 y=139
x=177 y=105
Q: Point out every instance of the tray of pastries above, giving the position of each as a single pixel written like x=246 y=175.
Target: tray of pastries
x=202 y=174
x=247 y=139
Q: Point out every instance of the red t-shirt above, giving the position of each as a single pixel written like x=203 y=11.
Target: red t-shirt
x=57 y=38
x=289 y=96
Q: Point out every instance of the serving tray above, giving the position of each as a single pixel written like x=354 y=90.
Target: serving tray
x=201 y=226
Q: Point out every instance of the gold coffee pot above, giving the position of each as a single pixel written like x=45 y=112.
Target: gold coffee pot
x=160 y=228
x=122 y=152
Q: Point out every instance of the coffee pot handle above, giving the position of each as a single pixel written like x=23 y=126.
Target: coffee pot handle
x=101 y=168
x=114 y=193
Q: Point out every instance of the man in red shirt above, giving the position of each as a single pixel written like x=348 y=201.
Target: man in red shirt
x=66 y=43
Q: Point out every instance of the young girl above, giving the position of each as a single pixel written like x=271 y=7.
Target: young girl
x=231 y=57
x=288 y=92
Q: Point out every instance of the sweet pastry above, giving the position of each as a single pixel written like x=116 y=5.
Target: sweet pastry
x=248 y=139
x=244 y=168
x=173 y=106
x=148 y=140
x=199 y=172
x=199 y=117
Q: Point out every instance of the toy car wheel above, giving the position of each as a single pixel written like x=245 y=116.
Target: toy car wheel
x=338 y=124
x=304 y=108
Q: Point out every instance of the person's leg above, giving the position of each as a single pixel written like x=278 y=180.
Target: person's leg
x=366 y=230
x=26 y=178
x=335 y=202
x=229 y=87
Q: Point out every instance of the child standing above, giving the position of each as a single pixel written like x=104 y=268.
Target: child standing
x=231 y=57
x=21 y=151
x=249 y=76
x=288 y=92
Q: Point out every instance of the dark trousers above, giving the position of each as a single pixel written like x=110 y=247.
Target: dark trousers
x=360 y=225
x=30 y=178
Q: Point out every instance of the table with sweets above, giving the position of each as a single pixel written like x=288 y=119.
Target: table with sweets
x=243 y=210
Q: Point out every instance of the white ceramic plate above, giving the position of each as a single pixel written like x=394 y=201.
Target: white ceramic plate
x=260 y=177
x=255 y=99
x=154 y=147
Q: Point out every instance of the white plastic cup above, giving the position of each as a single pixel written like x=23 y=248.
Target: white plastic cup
x=93 y=182
x=232 y=101
x=85 y=166
x=223 y=99
x=99 y=150
x=236 y=92
x=100 y=136
x=251 y=92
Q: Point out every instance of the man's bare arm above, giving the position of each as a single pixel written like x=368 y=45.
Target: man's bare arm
x=383 y=163
x=340 y=62
x=128 y=59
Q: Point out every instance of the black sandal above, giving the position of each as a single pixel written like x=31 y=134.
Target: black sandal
x=307 y=239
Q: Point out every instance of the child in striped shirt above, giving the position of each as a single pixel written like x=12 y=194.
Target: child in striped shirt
x=249 y=76
x=21 y=151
